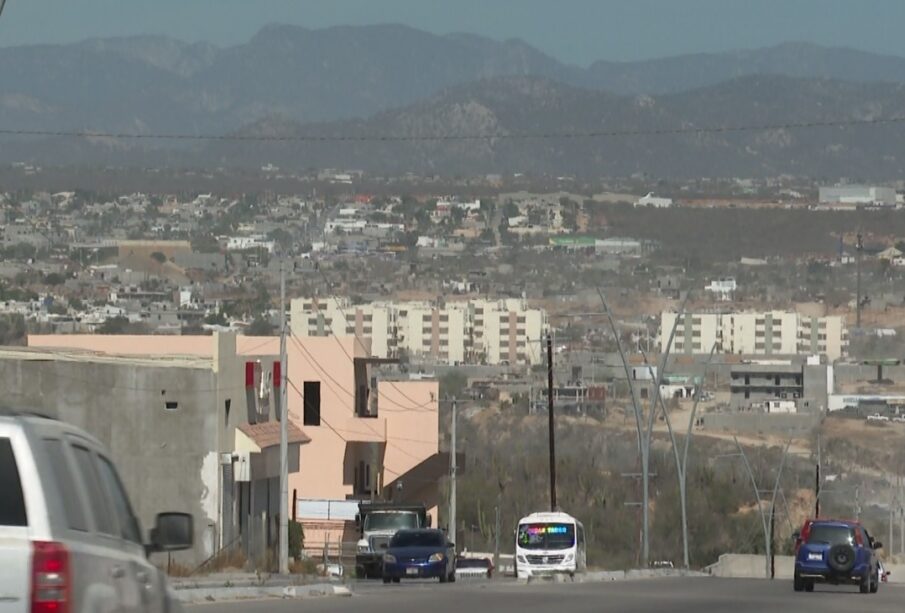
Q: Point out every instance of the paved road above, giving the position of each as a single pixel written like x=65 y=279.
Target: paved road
x=699 y=595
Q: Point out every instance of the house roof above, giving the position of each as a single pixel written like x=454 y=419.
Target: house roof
x=267 y=434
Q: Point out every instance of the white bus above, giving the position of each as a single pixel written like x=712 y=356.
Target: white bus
x=550 y=543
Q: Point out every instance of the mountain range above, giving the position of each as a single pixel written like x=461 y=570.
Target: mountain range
x=393 y=79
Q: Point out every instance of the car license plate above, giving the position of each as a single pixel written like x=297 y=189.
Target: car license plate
x=411 y=571
x=815 y=557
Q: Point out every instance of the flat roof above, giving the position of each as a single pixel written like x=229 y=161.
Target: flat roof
x=48 y=354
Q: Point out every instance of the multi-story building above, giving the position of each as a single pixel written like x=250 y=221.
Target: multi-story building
x=473 y=331
x=858 y=194
x=191 y=421
x=756 y=333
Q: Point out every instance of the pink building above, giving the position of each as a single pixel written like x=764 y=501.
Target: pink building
x=368 y=438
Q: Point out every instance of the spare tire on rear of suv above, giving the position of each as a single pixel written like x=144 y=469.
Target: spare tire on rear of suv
x=841 y=558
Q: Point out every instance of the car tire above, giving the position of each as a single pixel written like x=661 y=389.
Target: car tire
x=386 y=580
x=798 y=583
x=396 y=579
x=864 y=586
x=808 y=586
x=875 y=584
x=444 y=577
x=452 y=577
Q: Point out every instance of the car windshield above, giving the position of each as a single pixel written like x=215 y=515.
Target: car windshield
x=390 y=521
x=546 y=536
x=831 y=535
x=418 y=539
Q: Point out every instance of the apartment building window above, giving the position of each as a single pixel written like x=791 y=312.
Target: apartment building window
x=444 y=318
x=350 y=329
x=368 y=330
x=311 y=398
x=520 y=320
x=426 y=318
x=368 y=318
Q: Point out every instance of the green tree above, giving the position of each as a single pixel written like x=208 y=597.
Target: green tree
x=12 y=330
x=259 y=327
x=54 y=279
x=114 y=325
x=452 y=384
x=159 y=257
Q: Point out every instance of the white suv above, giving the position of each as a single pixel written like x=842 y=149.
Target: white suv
x=69 y=541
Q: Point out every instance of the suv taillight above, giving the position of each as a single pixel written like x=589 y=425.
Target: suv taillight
x=50 y=578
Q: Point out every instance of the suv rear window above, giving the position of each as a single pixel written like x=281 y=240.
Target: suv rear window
x=831 y=535
x=12 y=501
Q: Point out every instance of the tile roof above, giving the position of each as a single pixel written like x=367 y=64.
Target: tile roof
x=267 y=434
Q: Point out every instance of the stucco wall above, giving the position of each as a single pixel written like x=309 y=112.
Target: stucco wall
x=167 y=458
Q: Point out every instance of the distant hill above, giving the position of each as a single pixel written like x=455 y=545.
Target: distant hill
x=151 y=83
x=526 y=105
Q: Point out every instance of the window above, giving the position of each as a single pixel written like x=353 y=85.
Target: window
x=12 y=502
x=311 y=397
x=63 y=477
x=171 y=405
x=127 y=521
x=103 y=516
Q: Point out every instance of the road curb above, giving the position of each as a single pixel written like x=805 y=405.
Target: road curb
x=615 y=575
x=195 y=595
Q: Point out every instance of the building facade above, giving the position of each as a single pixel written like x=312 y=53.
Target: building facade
x=858 y=194
x=755 y=333
x=473 y=331
x=354 y=434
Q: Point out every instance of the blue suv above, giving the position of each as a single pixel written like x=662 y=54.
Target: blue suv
x=836 y=552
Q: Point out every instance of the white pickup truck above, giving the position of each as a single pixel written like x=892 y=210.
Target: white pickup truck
x=69 y=541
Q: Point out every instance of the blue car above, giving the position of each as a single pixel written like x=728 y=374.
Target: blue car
x=838 y=552
x=419 y=554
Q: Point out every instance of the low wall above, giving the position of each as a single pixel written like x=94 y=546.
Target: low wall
x=744 y=565
x=761 y=423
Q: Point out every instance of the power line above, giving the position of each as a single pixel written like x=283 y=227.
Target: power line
x=361 y=138
x=2 y=5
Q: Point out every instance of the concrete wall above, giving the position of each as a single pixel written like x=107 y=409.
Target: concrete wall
x=760 y=423
x=168 y=459
x=743 y=565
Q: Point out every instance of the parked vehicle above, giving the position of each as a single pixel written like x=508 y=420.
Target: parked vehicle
x=69 y=541
x=877 y=417
x=420 y=554
x=836 y=552
x=378 y=522
x=474 y=568
x=549 y=543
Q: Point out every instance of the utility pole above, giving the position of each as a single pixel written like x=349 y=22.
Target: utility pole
x=452 y=477
x=284 y=432
x=859 y=246
x=817 y=482
x=772 y=542
x=496 y=532
x=858 y=502
x=551 y=423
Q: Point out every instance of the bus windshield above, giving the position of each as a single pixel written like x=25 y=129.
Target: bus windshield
x=546 y=536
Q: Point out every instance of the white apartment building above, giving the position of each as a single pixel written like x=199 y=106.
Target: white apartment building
x=756 y=333
x=473 y=331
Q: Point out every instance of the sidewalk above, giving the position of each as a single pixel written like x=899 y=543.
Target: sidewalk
x=250 y=586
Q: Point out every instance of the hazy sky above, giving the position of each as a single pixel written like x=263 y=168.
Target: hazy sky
x=577 y=31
